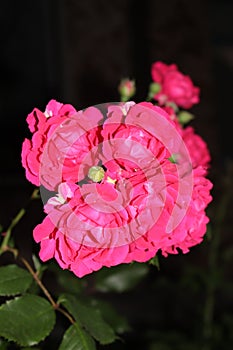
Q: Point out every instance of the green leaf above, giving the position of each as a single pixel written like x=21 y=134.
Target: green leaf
x=26 y=320
x=14 y=280
x=117 y=321
x=68 y=282
x=36 y=262
x=155 y=262
x=76 y=338
x=89 y=317
x=185 y=117
x=120 y=278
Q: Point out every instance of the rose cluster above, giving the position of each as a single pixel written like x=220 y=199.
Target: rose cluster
x=124 y=180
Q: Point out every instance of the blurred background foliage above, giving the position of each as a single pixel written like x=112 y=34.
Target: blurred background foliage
x=77 y=52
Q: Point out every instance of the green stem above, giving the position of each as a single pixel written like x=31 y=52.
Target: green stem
x=40 y=284
x=14 y=222
x=45 y=291
x=38 y=281
x=123 y=99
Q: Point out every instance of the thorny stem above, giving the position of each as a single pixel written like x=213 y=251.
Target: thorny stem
x=213 y=261
x=14 y=222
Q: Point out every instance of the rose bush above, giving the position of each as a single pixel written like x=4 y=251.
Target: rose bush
x=153 y=178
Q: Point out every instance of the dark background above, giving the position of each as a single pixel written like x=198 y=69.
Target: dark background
x=76 y=52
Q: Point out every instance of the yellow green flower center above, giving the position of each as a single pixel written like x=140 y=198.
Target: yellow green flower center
x=96 y=173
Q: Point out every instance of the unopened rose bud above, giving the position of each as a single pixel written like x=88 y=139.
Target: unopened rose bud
x=126 y=89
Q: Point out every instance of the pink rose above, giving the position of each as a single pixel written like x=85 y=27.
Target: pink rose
x=144 y=202
x=175 y=86
x=50 y=157
x=41 y=125
x=197 y=147
x=160 y=70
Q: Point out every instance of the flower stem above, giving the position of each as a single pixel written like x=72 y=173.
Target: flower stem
x=40 y=284
x=14 y=222
x=45 y=291
x=38 y=281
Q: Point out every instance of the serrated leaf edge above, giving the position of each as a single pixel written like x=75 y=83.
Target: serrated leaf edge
x=32 y=343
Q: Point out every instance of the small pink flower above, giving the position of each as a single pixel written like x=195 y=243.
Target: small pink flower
x=133 y=211
x=175 y=86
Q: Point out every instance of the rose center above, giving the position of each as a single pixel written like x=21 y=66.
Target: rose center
x=96 y=173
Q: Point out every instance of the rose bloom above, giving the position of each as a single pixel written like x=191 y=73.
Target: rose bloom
x=123 y=217
x=175 y=86
x=42 y=126
x=197 y=147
